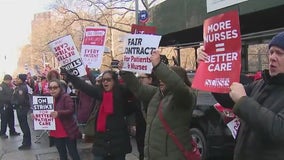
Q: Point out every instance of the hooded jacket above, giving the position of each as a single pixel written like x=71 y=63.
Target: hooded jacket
x=65 y=108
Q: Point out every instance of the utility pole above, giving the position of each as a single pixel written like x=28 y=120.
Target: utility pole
x=5 y=64
x=137 y=11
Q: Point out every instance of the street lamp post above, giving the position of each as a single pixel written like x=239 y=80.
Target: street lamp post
x=5 y=63
x=136 y=10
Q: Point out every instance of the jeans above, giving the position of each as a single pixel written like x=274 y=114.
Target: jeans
x=62 y=143
x=120 y=157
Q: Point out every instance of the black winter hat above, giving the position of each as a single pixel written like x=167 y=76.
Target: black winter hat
x=277 y=41
x=164 y=59
x=7 y=77
x=23 y=77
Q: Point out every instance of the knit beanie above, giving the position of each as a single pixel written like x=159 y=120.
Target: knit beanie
x=7 y=77
x=277 y=41
x=23 y=77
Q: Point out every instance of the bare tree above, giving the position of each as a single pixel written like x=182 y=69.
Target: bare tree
x=72 y=16
x=112 y=14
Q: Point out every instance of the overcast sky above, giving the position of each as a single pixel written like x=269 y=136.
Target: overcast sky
x=15 y=28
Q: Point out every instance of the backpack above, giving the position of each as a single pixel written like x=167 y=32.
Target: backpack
x=89 y=130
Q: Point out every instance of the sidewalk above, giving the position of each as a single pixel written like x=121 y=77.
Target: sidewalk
x=41 y=151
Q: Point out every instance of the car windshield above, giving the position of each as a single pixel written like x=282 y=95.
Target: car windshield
x=203 y=97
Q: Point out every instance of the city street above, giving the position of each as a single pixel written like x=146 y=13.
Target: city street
x=40 y=149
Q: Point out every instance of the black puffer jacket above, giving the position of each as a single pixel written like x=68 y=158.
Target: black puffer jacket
x=116 y=140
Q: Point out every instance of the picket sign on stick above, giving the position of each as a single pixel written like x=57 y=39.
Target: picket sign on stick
x=67 y=55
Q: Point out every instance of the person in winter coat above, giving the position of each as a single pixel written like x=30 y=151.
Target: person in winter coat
x=41 y=87
x=67 y=132
x=85 y=105
x=21 y=101
x=140 y=115
x=174 y=99
x=111 y=139
x=260 y=107
x=6 y=108
x=52 y=74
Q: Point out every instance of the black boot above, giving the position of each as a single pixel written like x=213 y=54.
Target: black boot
x=14 y=133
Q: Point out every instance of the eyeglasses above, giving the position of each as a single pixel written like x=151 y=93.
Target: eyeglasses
x=106 y=79
x=53 y=87
x=142 y=77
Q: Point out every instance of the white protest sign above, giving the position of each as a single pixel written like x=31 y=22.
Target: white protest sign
x=213 y=5
x=67 y=55
x=42 y=107
x=93 y=45
x=234 y=126
x=137 y=52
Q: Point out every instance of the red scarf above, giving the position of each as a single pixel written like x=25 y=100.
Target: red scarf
x=106 y=109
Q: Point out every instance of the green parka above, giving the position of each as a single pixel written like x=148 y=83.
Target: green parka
x=177 y=105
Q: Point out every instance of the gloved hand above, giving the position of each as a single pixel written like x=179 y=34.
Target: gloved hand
x=63 y=71
x=88 y=70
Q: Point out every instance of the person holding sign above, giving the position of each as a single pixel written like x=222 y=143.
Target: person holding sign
x=140 y=114
x=111 y=139
x=169 y=110
x=67 y=131
x=259 y=105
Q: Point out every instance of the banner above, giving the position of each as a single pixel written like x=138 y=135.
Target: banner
x=67 y=55
x=222 y=42
x=213 y=5
x=139 y=29
x=93 y=45
x=42 y=107
x=137 y=52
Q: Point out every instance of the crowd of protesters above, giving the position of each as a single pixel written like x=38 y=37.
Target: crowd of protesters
x=16 y=94
x=259 y=105
x=162 y=103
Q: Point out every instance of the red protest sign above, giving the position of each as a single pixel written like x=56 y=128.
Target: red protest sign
x=139 y=29
x=222 y=42
x=94 y=36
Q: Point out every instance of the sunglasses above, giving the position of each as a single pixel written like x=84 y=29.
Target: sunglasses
x=53 y=87
x=106 y=79
x=142 y=77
